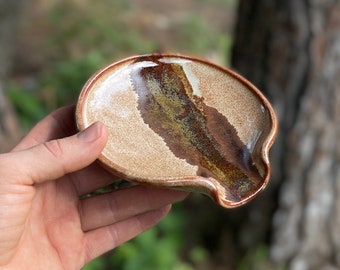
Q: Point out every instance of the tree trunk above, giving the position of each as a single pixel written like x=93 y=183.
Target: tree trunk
x=10 y=11
x=291 y=50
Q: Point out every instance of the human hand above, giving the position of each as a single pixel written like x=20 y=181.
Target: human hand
x=43 y=223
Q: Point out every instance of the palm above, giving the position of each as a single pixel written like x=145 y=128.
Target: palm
x=52 y=226
x=53 y=229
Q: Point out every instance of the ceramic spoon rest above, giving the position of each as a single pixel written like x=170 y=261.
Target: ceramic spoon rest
x=181 y=122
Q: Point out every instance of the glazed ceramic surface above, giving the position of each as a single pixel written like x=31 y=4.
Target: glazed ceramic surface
x=182 y=122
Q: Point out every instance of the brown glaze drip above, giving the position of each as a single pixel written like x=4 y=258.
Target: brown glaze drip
x=192 y=130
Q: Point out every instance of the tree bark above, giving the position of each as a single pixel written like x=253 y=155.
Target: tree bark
x=10 y=11
x=291 y=50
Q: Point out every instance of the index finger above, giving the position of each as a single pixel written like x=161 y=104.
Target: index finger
x=58 y=124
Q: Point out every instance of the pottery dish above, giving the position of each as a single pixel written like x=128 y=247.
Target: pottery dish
x=181 y=122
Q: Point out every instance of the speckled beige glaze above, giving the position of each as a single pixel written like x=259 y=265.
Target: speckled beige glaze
x=138 y=153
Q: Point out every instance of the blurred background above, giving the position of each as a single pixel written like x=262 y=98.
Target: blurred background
x=289 y=49
x=61 y=43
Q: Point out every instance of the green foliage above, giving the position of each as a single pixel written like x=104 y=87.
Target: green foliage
x=158 y=248
x=258 y=259
x=254 y=259
x=66 y=79
x=97 y=24
x=198 y=255
x=83 y=40
x=195 y=36
x=59 y=87
x=222 y=2
x=28 y=106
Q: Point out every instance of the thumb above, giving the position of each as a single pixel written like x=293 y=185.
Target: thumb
x=56 y=158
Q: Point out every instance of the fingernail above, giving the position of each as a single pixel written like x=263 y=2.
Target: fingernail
x=91 y=133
